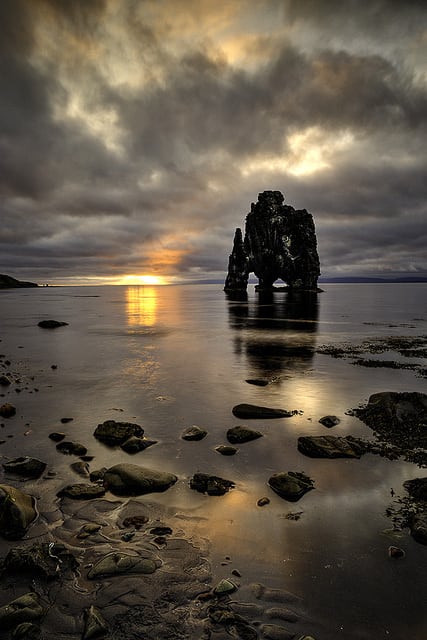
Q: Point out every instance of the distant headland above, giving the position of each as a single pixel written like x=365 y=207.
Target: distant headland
x=7 y=282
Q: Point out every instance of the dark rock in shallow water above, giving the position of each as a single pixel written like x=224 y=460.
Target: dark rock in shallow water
x=241 y=434
x=291 y=486
x=17 y=512
x=194 y=433
x=279 y=243
x=331 y=447
x=212 y=485
x=225 y=450
x=25 y=466
x=329 y=421
x=135 y=444
x=7 y=410
x=71 y=448
x=82 y=491
x=4 y=381
x=246 y=411
x=258 y=382
x=418 y=526
x=133 y=480
x=26 y=608
x=57 y=436
x=115 y=433
x=51 y=324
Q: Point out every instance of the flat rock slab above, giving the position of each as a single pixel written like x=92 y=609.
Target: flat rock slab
x=116 y=433
x=51 y=324
x=246 y=411
x=212 y=485
x=240 y=434
x=118 y=563
x=330 y=447
x=25 y=466
x=291 y=486
x=82 y=491
x=133 y=480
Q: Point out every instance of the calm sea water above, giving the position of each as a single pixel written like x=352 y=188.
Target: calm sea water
x=173 y=356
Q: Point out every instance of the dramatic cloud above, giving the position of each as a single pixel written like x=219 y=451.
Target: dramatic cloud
x=135 y=134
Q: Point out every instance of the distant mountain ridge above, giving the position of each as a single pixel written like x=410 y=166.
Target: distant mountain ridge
x=7 y=282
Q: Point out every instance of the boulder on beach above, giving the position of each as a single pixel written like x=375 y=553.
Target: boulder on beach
x=291 y=486
x=212 y=485
x=26 y=608
x=17 y=512
x=51 y=324
x=115 y=433
x=331 y=447
x=133 y=480
x=25 y=466
x=246 y=411
x=241 y=434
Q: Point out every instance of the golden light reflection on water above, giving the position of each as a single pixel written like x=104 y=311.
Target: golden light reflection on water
x=141 y=306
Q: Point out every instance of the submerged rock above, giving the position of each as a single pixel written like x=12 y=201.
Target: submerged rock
x=291 y=486
x=241 y=434
x=279 y=243
x=23 y=609
x=51 y=324
x=69 y=448
x=246 y=411
x=133 y=480
x=17 y=512
x=25 y=466
x=331 y=447
x=212 y=485
x=134 y=444
x=194 y=433
x=116 y=433
x=118 y=563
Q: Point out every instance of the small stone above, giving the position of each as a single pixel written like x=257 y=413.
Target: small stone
x=7 y=410
x=329 y=421
x=246 y=411
x=4 y=381
x=194 y=433
x=161 y=531
x=65 y=420
x=71 y=448
x=57 y=436
x=263 y=501
x=224 y=587
x=134 y=444
x=81 y=468
x=226 y=450
x=241 y=434
x=259 y=382
x=291 y=486
x=236 y=573
x=95 y=625
x=396 y=552
x=54 y=366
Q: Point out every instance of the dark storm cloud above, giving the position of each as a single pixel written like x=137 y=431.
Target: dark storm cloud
x=119 y=144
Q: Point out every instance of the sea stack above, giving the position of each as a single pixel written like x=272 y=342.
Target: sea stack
x=279 y=243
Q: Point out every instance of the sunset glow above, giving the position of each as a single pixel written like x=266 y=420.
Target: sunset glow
x=144 y=279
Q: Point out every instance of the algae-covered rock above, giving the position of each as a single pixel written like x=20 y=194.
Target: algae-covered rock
x=17 y=512
x=133 y=480
x=118 y=563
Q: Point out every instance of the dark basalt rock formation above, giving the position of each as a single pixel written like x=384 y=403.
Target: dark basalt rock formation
x=279 y=243
x=7 y=282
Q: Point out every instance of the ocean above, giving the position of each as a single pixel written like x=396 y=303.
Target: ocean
x=169 y=357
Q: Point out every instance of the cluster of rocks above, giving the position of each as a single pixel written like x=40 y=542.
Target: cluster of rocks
x=279 y=243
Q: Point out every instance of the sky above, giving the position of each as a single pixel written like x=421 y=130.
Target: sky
x=134 y=134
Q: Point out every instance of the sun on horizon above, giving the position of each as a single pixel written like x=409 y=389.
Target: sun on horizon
x=143 y=279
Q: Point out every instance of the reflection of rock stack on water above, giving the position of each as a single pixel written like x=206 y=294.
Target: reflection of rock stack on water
x=277 y=332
